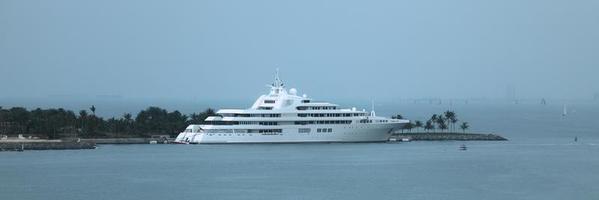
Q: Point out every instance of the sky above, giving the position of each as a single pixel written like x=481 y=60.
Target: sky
x=333 y=50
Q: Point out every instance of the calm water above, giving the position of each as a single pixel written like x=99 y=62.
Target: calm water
x=541 y=161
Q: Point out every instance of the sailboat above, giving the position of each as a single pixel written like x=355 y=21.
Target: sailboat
x=565 y=111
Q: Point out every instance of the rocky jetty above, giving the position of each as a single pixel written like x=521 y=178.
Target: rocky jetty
x=447 y=136
x=22 y=145
x=161 y=140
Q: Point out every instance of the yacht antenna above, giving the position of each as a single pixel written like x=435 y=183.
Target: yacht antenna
x=278 y=82
x=277 y=86
x=372 y=113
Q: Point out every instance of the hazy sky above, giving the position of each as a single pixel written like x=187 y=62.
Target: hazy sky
x=328 y=49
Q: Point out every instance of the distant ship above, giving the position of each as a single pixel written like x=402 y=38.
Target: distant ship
x=284 y=117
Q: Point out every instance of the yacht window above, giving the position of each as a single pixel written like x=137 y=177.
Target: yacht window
x=269 y=101
x=302 y=108
x=303 y=130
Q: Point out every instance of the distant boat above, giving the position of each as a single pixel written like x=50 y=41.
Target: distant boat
x=543 y=102
x=565 y=111
x=463 y=147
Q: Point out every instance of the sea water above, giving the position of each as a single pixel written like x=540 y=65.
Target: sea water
x=540 y=161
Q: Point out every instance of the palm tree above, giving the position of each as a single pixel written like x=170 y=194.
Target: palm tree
x=441 y=122
x=434 y=118
x=442 y=126
x=93 y=109
x=409 y=126
x=453 y=121
x=127 y=117
x=447 y=114
x=451 y=118
x=428 y=126
x=418 y=124
x=82 y=119
x=464 y=126
x=128 y=120
x=433 y=121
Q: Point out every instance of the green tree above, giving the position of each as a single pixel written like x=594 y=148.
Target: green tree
x=176 y=123
x=152 y=120
x=94 y=126
x=429 y=125
x=58 y=123
x=128 y=123
x=418 y=124
x=451 y=118
x=464 y=126
x=200 y=117
x=442 y=126
x=440 y=122
x=83 y=124
x=20 y=116
x=409 y=126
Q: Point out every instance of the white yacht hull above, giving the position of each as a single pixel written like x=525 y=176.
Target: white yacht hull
x=290 y=134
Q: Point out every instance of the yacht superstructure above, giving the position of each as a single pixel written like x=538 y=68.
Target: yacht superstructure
x=284 y=117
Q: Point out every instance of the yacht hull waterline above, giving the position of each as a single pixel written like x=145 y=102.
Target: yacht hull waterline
x=284 y=117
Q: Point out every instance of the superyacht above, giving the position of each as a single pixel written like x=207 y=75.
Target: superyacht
x=282 y=116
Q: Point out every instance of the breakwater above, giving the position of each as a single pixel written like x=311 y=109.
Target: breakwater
x=21 y=145
x=447 y=136
x=129 y=140
x=119 y=140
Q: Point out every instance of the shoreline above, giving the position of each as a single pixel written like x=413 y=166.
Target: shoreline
x=72 y=144
x=22 y=145
x=450 y=136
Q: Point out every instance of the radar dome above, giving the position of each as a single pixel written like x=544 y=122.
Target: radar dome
x=293 y=91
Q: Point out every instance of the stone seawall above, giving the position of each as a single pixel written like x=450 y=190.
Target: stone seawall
x=447 y=136
x=45 y=145
x=119 y=140
x=128 y=140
